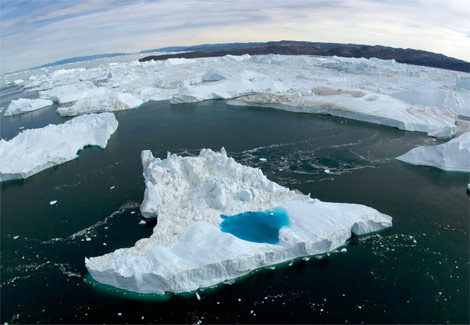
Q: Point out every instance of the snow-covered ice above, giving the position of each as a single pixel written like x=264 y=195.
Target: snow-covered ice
x=453 y=155
x=34 y=150
x=408 y=97
x=24 y=105
x=188 y=250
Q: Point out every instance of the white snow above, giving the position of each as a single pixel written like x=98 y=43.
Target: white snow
x=453 y=155
x=188 y=250
x=34 y=150
x=383 y=92
x=24 y=105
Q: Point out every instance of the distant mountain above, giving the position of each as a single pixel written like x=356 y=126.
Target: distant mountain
x=202 y=47
x=409 y=56
x=79 y=58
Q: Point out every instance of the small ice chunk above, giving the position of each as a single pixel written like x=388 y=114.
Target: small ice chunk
x=198 y=296
x=112 y=187
x=53 y=202
x=16 y=237
x=88 y=239
x=142 y=222
x=263 y=159
x=327 y=171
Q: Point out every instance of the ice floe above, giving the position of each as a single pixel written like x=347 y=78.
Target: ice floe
x=34 y=150
x=453 y=155
x=24 y=105
x=188 y=250
x=385 y=92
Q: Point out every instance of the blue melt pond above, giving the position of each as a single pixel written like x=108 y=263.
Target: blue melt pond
x=258 y=227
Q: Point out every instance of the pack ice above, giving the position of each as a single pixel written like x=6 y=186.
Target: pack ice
x=188 y=250
x=34 y=150
x=385 y=92
x=453 y=155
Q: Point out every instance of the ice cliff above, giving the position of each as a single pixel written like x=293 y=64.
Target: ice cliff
x=453 y=155
x=385 y=92
x=34 y=150
x=188 y=250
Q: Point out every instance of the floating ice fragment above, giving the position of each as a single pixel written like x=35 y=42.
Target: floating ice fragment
x=112 y=187
x=198 y=296
x=24 y=105
x=184 y=254
x=263 y=159
x=53 y=202
x=142 y=222
x=16 y=237
x=453 y=155
x=34 y=150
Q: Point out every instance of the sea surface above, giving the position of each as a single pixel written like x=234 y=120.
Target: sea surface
x=417 y=272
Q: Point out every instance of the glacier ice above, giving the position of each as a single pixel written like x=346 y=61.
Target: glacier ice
x=453 y=155
x=34 y=150
x=188 y=250
x=24 y=105
x=385 y=92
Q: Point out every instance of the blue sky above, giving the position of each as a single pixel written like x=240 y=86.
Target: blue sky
x=34 y=32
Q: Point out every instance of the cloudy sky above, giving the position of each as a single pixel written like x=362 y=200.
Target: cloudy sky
x=35 y=32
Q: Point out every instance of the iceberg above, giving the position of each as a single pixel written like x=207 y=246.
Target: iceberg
x=24 y=105
x=453 y=155
x=34 y=150
x=70 y=93
x=193 y=196
x=355 y=105
x=108 y=101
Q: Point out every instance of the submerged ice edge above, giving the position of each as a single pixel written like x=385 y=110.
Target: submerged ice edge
x=188 y=250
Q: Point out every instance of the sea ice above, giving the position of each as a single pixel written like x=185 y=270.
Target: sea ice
x=385 y=92
x=34 y=150
x=188 y=249
x=453 y=155
x=24 y=105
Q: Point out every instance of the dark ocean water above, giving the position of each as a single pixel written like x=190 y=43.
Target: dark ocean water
x=417 y=272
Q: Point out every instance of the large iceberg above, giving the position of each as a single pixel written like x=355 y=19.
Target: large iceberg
x=453 y=155
x=34 y=150
x=24 y=105
x=188 y=249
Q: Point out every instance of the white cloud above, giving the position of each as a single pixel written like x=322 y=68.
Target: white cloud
x=101 y=27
